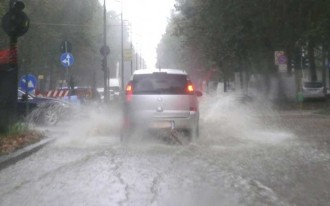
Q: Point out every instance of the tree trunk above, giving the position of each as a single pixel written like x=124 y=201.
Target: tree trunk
x=8 y=89
x=325 y=65
x=290 y=60
x=311 y=56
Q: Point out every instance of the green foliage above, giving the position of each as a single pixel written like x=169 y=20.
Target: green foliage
x=2 y=7
x=77 y=21
x=174 y=52
x=169 y=50
x=15 y=129
x=3 y=41
x=241 y=35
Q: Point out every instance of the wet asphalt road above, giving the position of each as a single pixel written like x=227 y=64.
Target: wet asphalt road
x=245 y=156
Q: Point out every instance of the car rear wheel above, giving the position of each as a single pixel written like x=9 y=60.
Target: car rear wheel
x=193 y=133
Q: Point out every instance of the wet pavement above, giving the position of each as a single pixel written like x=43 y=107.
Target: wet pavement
x=246 y=155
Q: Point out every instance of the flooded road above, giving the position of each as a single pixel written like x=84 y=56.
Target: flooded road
x=247 y=154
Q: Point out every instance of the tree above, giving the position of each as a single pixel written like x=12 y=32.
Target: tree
x=240 y=35
x=77 y=21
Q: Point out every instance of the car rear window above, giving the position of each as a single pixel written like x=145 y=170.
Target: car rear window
x=159 y=83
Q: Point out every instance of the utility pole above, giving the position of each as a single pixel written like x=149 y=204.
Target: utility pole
x=136 y=61
x=131 y=53
x=105 y=51
x=324 y=70
x=122 y=47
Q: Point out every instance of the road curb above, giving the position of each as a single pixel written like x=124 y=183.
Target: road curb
x=305 y=114
x=20 y=154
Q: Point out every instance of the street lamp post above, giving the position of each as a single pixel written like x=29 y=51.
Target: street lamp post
x=122 y=46
x=105 y=51
x=131 y=53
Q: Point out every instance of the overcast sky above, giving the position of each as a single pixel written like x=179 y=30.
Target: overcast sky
x=149 y=19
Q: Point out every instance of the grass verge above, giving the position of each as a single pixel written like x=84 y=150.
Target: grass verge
x=18 y=136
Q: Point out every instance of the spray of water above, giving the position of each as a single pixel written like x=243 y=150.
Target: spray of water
x=225 y=120
x=229 y=119
x=91 y=126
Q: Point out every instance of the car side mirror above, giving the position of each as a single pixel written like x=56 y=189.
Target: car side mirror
x=198 y=93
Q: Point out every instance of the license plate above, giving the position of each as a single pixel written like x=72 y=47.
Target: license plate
x=161 y=124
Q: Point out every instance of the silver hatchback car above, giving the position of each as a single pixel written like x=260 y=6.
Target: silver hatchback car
x=161 y=99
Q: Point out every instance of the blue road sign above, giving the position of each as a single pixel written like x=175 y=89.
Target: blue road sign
x=67 y=59
x=28 y=82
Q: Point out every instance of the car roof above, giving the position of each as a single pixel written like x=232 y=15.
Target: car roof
x=168 y=71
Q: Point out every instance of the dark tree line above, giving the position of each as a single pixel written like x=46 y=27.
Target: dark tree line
x=241 y=35
x=77 y=21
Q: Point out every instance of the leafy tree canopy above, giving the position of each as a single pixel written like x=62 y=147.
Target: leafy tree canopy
x=235 y=34
x=77 y=21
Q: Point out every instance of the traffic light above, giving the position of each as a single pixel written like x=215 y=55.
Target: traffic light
x=15 y=22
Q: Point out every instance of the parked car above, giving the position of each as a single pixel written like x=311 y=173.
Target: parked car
x=161 y=99
x=114 y=88
x=313 y=90
x=41 y=110
x=114 y=93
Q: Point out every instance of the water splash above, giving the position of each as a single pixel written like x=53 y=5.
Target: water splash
x=226 y=118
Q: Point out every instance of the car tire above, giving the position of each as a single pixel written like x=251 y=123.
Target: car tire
x=193 y=133
x=50 y=117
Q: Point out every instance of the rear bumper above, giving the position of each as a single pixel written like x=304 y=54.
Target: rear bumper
x=154 y=123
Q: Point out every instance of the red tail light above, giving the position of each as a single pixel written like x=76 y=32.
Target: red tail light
x=190 y=88
x=129 y=91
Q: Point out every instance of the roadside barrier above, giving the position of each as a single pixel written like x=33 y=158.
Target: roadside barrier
x=57 y=93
